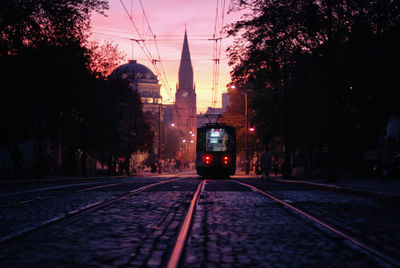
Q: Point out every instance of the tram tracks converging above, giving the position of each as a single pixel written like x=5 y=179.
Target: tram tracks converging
x=357 y=242
x=159 y=236
x=13 y=199
x=193 y=222
x=93 y=205
x=176 y=256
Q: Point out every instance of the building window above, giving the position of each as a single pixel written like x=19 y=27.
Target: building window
x=146 y=100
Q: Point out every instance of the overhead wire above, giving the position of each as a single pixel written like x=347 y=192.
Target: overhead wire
x=217 y=37
x=144 y=34
x=98 y=31
x=143 y=46
x=145 y=49
x=169 y=90
x=109 y=33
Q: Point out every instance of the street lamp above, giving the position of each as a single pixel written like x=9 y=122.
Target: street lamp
x=253 y=131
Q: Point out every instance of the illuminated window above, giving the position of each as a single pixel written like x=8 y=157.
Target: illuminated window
x=216 y=140
x=215 y=132
x=146 y=100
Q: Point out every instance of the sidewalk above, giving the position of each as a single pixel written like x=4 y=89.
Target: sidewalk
x=364 y=186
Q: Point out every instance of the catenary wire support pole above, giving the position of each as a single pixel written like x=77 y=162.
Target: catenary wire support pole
x=159 y=138
x=246 y=132
x=332 y=99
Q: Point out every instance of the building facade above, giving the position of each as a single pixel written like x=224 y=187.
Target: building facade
x=145 y=82
x=179 y=118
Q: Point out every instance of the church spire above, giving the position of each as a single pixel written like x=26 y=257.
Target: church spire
x=185 y=67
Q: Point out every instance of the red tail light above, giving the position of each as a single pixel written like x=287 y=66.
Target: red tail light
x=207 y=159
x=226 y=159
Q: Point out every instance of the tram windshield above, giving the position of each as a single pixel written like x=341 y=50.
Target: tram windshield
x=217 y=140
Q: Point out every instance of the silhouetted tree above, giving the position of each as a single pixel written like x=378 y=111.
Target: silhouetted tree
x=105 y=58
x=284 y=53
x=31 y=24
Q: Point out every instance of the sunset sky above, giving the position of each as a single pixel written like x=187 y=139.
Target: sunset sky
x=167 y=20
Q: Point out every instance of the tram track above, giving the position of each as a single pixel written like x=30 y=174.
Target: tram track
x=166 y=217
x=11 y=198
x=92 y=206
x=45 y=193
x=177 y=252
x=175 y=259
x=359 y=242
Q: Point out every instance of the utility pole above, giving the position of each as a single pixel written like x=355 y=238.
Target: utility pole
x=246 y=133
x=332 y=101
x=159 y=138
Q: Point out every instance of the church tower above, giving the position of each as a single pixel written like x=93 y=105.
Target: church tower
x=186 y=101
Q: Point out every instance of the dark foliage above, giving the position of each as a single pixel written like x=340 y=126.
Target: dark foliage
x=49 y=91
x=290 y=53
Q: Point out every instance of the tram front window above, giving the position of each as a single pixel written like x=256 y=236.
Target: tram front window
x=217 y=140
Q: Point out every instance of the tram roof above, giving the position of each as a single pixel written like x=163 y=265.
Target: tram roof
x=215 y=125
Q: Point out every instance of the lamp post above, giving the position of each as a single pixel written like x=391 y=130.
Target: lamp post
x=187 y=137
x=246 y=133
x=252 y=130
x=159 y=138
x=247 y=130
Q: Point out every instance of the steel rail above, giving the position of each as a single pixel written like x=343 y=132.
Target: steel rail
x=17 y=235
x=36 y=198
x=353 y=240
x=99 y=187
x=44 y=189
x=177 y=252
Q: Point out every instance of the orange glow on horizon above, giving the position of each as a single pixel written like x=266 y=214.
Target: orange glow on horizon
x=167 y=20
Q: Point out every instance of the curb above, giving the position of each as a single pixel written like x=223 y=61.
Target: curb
x=55 y=179
x=349 y=190
x=77 y=178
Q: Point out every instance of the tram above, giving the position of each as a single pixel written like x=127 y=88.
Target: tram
x=216 y=150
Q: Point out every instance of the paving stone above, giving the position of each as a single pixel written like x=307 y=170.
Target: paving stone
x=251 y=230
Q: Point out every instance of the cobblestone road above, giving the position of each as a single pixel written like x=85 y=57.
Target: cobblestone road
x=31 y=207
x=135 y=231
x=233 y=226
x=240 y=228
x=374 y=220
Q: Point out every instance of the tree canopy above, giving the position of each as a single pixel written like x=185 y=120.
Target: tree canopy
x=54 y=84
x=290 y=54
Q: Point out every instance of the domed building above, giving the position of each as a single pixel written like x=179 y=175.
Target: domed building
x=175 y=120
x=144 y=81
